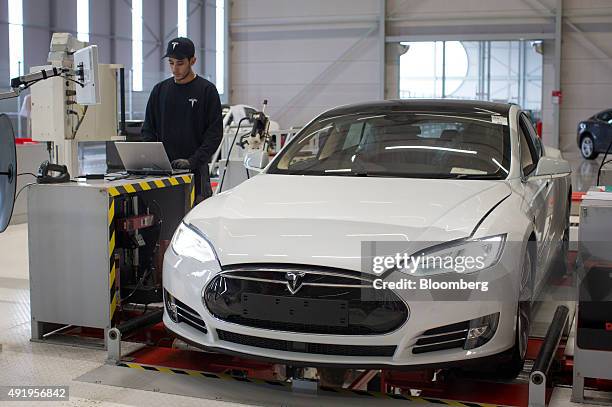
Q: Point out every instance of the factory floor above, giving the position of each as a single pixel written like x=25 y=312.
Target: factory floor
x=26 y=363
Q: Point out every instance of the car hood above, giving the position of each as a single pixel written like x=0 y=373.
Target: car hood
x=323 y=220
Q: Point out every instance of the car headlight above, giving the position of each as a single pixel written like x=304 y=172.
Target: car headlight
x=189 y=243
x=466 y=256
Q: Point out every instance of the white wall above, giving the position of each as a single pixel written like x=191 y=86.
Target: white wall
x=278 y=62
x=586 y=74
x=287 y=50
x=111 y=30
x=304 y=57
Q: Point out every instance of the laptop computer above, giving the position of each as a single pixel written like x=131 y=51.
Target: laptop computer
x=145 y=158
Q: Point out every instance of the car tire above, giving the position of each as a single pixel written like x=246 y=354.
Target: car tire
x=587 y=147
x=561 y=262
x=511 y=362
x=514 y=361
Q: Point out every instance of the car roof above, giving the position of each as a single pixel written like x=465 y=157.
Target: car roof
x=423 y=105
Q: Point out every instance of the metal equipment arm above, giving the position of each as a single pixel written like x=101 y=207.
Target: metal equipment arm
x=21 y=83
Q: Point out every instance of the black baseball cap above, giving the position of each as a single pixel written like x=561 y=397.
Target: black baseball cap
x=180 y=48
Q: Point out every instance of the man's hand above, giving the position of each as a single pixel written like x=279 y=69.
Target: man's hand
x=181 y=164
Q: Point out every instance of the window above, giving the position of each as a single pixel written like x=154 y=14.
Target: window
x=432 y=69
x=220 y=46
x=605 y=116
x=354 y=135
x=15 y=15
x=137 y=45
x=458 y=145
x=83 y=20
x=533 y=135
x=529 y=157
x=182 y=18
x=485 y=70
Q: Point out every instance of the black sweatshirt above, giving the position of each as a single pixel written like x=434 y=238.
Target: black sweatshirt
x=186 y=118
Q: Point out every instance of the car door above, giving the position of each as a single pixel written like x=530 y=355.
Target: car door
x=537 y=191
x=604 y=120
x=556 y=199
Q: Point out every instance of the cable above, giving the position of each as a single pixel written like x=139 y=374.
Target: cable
x=161 y=213
x=79 y=123
x=220 y=189
x=22 y=188
x=27 y=173
x=138 y=285
x=75 y=81
x=603 y=162
x=27 y=85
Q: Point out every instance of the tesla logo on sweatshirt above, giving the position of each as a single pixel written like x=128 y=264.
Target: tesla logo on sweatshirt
x=193 y=101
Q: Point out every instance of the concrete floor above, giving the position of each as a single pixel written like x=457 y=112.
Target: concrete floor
x=25 y=363
x=584 y=172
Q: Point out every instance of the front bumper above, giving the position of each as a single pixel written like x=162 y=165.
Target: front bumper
x=185 y=278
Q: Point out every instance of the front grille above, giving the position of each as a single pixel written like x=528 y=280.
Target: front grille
x=189 y=316
x=441 y=338
x=326 y=301
x=306 y=347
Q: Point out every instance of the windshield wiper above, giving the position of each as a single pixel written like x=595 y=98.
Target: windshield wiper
x=477 y=176
x=348 y=173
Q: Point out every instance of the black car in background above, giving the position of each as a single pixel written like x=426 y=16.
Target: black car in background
x=594 y=134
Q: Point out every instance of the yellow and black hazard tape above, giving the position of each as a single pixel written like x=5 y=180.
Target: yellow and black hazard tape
x=111 y=253
x=322 y=389
x=197 y=373
x=192 y=195
x=148 y=185
x=130 y=189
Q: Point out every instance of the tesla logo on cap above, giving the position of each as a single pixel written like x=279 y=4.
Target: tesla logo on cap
x=174 y=44
x=294 y=281
x=193 y=101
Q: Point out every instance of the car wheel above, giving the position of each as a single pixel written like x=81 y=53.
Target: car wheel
x=512 y=366
x=587 y=148
x=511 y=361
x=560 y=263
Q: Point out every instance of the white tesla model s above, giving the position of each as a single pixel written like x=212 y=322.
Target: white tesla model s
x=283 y=267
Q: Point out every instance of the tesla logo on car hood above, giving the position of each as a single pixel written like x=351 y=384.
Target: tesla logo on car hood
x=294 y=281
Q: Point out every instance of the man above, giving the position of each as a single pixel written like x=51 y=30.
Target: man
x=184 y=113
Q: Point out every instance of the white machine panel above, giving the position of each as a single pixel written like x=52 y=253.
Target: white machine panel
x=49 y=118
x=89 y=93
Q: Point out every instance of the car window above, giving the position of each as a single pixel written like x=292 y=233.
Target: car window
x=310 y=147
x=529 y=155
x=604 y=116
x=354 y=135
x=533 y=135
x=400 y=144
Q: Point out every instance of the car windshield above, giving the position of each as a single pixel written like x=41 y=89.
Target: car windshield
x=400 y=144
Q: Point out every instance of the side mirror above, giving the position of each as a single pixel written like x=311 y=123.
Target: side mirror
x=552 y=166
x=256 y=160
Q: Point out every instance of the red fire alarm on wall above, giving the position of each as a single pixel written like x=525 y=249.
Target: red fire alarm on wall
x=557 y=97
